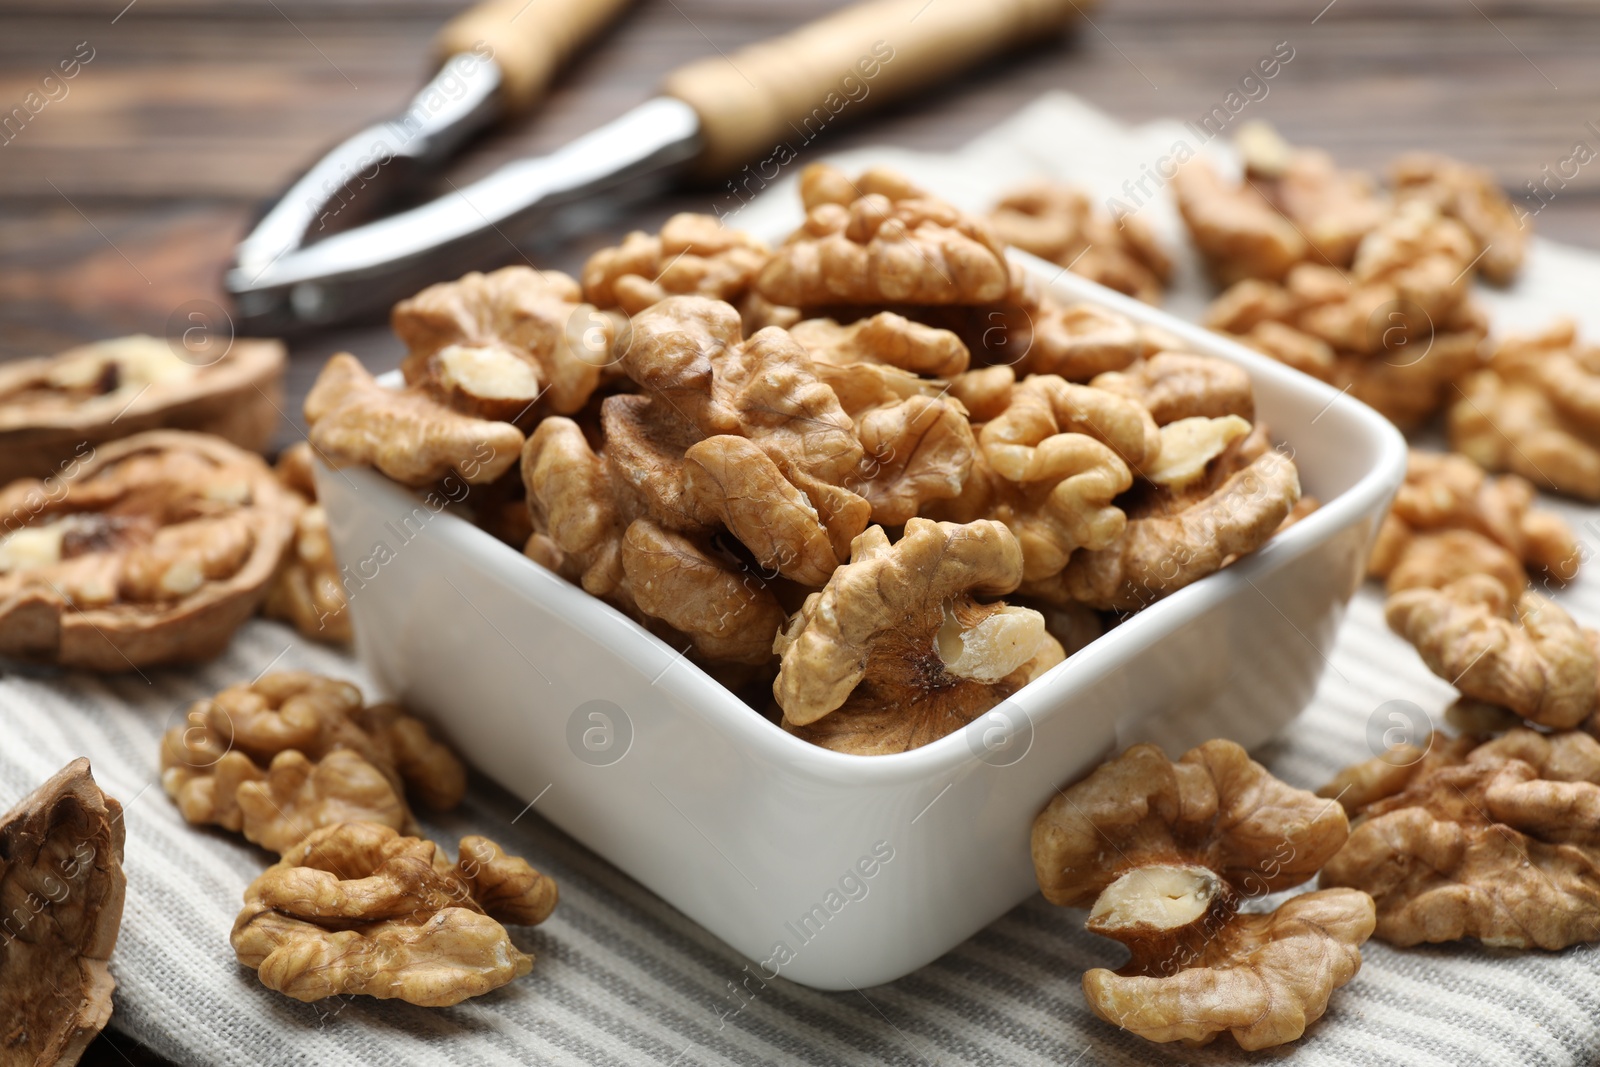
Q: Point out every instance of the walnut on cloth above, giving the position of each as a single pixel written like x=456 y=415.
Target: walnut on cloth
x=153 y=551
x=1535 y=411
x=511 y=345
x=358 y=909
x=405 y=434
x=307 y=591
x=896 y=650
x=693 y=255
x=1059 y=223
x=1471 y=196
x=1446 y=494
x=62 y=886
x=1465 y=837
x=1163 y=854
x=292 y=752
x=1397 y=328
x=1521 y=652
x=54 y=408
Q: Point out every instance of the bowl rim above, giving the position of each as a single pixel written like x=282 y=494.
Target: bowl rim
x=689 y=685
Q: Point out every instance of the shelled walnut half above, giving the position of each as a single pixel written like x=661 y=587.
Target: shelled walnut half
x=154 y=550
x=62 y=885
x=897 y=650
x=406 y=434
x=1492 y=839
x=1164 y=854
x=511 y=345
x=52 y=408
x=293 y=752
x=357 y=909
x=1450 y=519
x=1520 y=652
x=1536 y=412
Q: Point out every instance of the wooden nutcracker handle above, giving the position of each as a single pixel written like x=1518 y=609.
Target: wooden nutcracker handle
x=784 y=90
x=530 y=39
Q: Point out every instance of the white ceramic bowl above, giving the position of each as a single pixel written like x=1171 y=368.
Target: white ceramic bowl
x=842 y=871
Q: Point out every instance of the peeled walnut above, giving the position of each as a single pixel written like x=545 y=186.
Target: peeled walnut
x=701 y=591
x=1511 y=426
x=62 y=885
x=307 y=591
x=889 y=243
x=1173 y=540
x=292 y=752
x=1163 y=854
x=510 y=345
x=1052 y=463
x=1535 y=412
x=55 y=410
x=1332 y=209
x=1449 y=494
x=1058 y=222
x=693 y=255
x=404 y=433
x=1434 y=560
x=1238 y=231
x=1522 y=653
x=357 y=909
x=735 y=433
x=895 y=651
x=884 y=338
x=1369 y=330
x=1471 y=196
x=154 y=550
x=1181 y=385
x=577 y=525
x=1489 y=839
x=917 y=443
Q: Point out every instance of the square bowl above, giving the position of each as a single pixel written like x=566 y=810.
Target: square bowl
x=834 y=870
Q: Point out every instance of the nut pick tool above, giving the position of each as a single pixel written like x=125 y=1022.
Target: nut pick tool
x=498 y=58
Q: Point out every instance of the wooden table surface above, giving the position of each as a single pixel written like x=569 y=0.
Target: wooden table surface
x=121 y=200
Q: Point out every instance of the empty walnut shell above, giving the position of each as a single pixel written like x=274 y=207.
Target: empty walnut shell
x=62 y=885
x=152 y=551
x=56 y=409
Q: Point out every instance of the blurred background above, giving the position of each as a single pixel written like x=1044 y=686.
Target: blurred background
x=122 y=197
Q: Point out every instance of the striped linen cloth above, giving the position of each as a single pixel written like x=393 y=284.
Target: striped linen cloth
x=622 y=978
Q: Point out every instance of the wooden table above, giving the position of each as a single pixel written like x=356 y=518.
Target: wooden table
x=121 y=200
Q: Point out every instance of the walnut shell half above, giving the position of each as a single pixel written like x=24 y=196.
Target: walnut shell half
x=51 y=408
x=61 y=884
x=152 y=551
